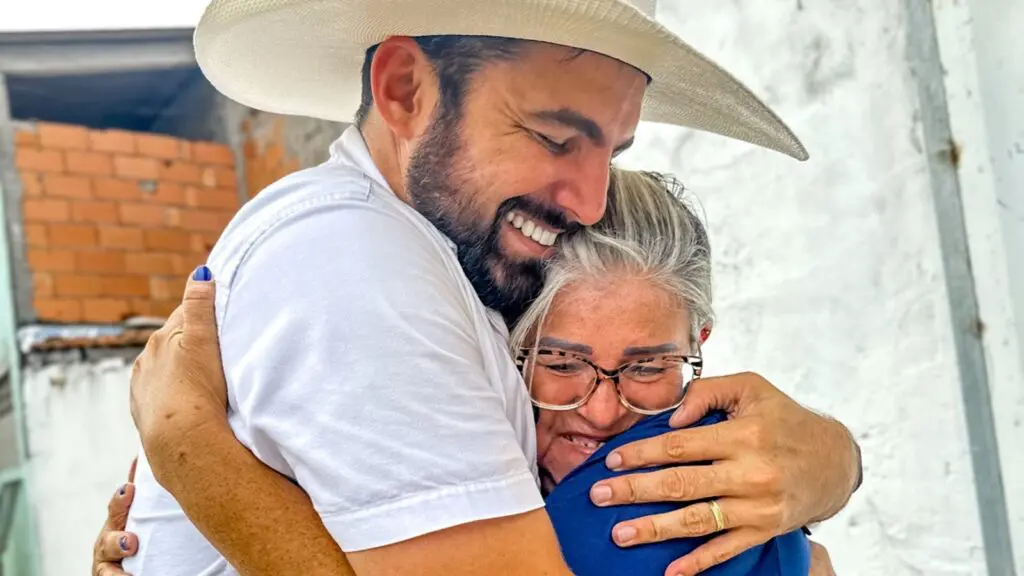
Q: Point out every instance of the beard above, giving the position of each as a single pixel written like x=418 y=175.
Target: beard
x=442 y=189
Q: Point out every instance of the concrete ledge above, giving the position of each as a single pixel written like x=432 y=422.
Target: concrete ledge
x=48 y=53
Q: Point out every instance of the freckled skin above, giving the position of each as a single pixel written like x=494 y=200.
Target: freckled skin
x=608 y=315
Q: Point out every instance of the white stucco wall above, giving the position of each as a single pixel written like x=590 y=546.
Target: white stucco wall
x=81 y=443
x=829 y=276
x=999 y=44
x=981 y=44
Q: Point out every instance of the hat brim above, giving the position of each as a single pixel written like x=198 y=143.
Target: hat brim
x=305 y=57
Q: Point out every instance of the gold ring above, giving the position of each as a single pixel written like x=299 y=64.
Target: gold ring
x=716 y=510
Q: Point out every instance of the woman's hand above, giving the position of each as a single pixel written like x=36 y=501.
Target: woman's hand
x=776 y=466
x=178 y=386
x=261 y=521
x=113 y=544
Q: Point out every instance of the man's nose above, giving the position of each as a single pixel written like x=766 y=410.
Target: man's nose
x=603 y=409
x=584 y=192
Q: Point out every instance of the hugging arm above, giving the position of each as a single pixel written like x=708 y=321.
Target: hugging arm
x=178 y=380
x=266 y=525
x=776 y=466
x=262 y=522
x=258 y=519
x=287 y=535
x=314 y=405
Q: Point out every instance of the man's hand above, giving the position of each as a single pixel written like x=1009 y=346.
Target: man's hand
x=775 y=466
x=178 y=384
x=113 y=544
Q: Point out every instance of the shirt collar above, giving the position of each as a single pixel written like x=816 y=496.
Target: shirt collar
x=350 y=148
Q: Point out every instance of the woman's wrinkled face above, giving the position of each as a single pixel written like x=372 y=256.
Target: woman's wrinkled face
x=610 y=322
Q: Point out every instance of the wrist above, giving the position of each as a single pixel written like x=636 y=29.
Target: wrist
x=859 y=476
x=848 y=464
x=853 y=468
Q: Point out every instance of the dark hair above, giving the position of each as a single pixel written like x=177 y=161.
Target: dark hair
x=455 y=60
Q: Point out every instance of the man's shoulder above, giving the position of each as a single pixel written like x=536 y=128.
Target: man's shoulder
x=332 y=208
x=334 y=186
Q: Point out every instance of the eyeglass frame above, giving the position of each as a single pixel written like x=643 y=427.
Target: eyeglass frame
x=696 y=362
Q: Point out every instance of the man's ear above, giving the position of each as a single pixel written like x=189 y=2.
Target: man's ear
x=404 y=87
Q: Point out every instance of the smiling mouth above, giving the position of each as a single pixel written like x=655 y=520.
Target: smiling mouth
x=586 y=444
x=532 y=229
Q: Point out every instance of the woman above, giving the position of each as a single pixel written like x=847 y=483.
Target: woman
x=607 y=350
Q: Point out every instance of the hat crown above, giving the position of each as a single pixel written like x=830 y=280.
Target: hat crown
x=250 y=49
x=648 y=7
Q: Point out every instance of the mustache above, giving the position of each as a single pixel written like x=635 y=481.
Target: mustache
x=537 y=212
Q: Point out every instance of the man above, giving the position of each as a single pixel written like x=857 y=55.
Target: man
x=362 y=304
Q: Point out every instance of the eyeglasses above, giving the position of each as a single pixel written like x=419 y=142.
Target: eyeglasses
x=560 y=380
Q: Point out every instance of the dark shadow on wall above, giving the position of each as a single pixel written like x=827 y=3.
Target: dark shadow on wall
x=174 y=101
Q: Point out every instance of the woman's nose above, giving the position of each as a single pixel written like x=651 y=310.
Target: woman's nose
x=603 y=409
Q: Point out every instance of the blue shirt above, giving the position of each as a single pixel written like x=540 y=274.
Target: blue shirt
x=584 y=530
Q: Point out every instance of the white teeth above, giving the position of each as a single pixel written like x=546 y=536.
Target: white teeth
x=531 y=230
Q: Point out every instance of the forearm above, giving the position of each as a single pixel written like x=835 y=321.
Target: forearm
x=258 y=519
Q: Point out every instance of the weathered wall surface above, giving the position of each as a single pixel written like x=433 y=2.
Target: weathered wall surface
x=985 y=88
x=275 y=146
x=80 y=442
x=141 y=212
x=828 y=274
x=999 y=44
x=996 y=27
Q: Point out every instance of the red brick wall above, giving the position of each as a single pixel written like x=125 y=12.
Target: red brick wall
x=276 y=145
x=267 y=159
x=114 y=221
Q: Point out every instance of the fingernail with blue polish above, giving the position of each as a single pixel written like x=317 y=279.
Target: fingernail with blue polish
x=123 y=543
x=202 y=274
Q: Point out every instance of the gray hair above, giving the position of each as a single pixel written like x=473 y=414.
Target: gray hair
x=648 y=231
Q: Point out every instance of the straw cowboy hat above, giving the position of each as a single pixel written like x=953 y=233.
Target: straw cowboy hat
x=305 y=57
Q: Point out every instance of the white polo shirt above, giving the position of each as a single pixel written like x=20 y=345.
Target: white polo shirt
x=361 y=363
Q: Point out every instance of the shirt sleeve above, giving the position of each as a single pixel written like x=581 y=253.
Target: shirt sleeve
x=354 y=366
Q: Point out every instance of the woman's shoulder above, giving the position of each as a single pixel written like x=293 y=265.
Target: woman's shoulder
x=584 y=530
x=650 y=427
x=593 y=469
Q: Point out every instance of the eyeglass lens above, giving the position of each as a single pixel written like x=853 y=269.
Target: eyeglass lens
x=563 y=380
